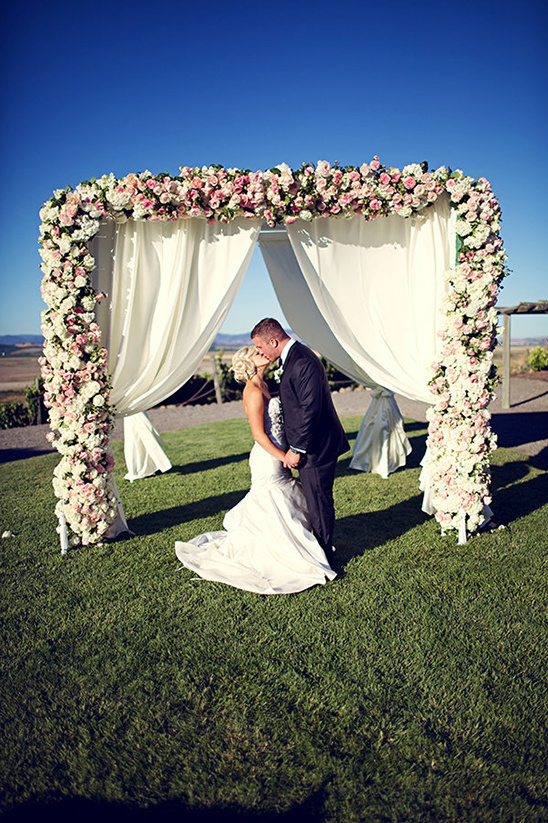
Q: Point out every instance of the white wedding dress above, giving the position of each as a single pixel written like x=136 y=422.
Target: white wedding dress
x=267 y=547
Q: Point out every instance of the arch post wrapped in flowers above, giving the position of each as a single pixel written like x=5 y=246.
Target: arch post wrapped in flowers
x=74 y=364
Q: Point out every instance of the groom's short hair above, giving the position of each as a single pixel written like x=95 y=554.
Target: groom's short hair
x=269 y=328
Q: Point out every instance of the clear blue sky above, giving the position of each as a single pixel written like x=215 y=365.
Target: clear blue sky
x=110 y=86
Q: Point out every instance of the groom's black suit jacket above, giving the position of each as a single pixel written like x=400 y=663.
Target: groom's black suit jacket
x=310 y=419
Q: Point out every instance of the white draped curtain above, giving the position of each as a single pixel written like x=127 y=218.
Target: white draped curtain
x=381 y=445
x=379 y=286
x=170 y=285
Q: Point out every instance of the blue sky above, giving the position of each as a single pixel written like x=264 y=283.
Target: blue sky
x=92 y=88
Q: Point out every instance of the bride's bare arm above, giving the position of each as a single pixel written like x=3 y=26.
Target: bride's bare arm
x=254 y=403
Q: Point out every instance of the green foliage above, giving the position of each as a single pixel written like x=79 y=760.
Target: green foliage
x=18 y=413
x=14 y=415
x=34 y=399
x=337 y=379
x=198 y=391
x=411 y=688
x=538 y=358
x=230 y=388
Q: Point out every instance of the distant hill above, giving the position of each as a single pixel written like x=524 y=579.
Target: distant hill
x=231 y=341
x=224 y=341
x=530 y=341
x=21 y=339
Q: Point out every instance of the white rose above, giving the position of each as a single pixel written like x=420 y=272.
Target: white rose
x=463 y=228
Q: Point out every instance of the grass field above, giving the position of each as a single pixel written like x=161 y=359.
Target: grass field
x=411 y=688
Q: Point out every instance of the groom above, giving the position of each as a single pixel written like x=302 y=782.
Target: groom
x=314 y=432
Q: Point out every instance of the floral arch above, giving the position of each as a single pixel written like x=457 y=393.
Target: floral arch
x=74 y=366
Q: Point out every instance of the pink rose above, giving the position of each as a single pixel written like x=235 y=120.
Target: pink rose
x=409 y=183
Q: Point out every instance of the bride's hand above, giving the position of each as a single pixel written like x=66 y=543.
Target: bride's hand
x=291 y=460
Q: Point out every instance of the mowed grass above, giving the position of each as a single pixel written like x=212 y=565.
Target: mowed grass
x=411 y=688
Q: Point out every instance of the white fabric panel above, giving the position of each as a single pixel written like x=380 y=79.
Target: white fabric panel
x=143 y=448
x=381 y=445
x=299 y=306
x=170 y=285
x=379 y=286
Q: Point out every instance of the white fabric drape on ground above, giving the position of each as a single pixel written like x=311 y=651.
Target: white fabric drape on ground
x=170 y=285
x=143 y=448
x=381 y=445
x=379 y=285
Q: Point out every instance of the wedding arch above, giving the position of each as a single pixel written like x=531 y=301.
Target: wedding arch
x=392 y=275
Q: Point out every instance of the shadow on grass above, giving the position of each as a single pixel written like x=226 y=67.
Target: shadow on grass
x=514 y=429
x=10 y=455
x=359 y=533
x=513 y=499
x=206 y=465
x=91 y=811
x=156 y=522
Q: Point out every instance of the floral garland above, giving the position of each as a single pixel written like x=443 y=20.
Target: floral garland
x=460 y=437
x=74 y=365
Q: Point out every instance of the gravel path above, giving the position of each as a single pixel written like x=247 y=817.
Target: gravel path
x=523 y=427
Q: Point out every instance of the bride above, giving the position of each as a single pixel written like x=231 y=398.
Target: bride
x=267 y=546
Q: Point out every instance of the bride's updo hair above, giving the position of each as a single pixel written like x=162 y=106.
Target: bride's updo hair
x=243 y=366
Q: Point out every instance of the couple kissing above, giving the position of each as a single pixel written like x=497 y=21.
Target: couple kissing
x=278 y=539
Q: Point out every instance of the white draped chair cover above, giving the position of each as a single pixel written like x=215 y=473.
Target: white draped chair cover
x=170 y=285
x=379 y=286
x=381 y=445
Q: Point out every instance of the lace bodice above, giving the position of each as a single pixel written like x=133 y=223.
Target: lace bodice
x=274 y=423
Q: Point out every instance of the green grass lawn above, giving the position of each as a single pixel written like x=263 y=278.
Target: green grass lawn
x=411 y=688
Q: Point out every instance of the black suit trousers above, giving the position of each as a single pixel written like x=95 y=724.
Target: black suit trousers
x=317 y=485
